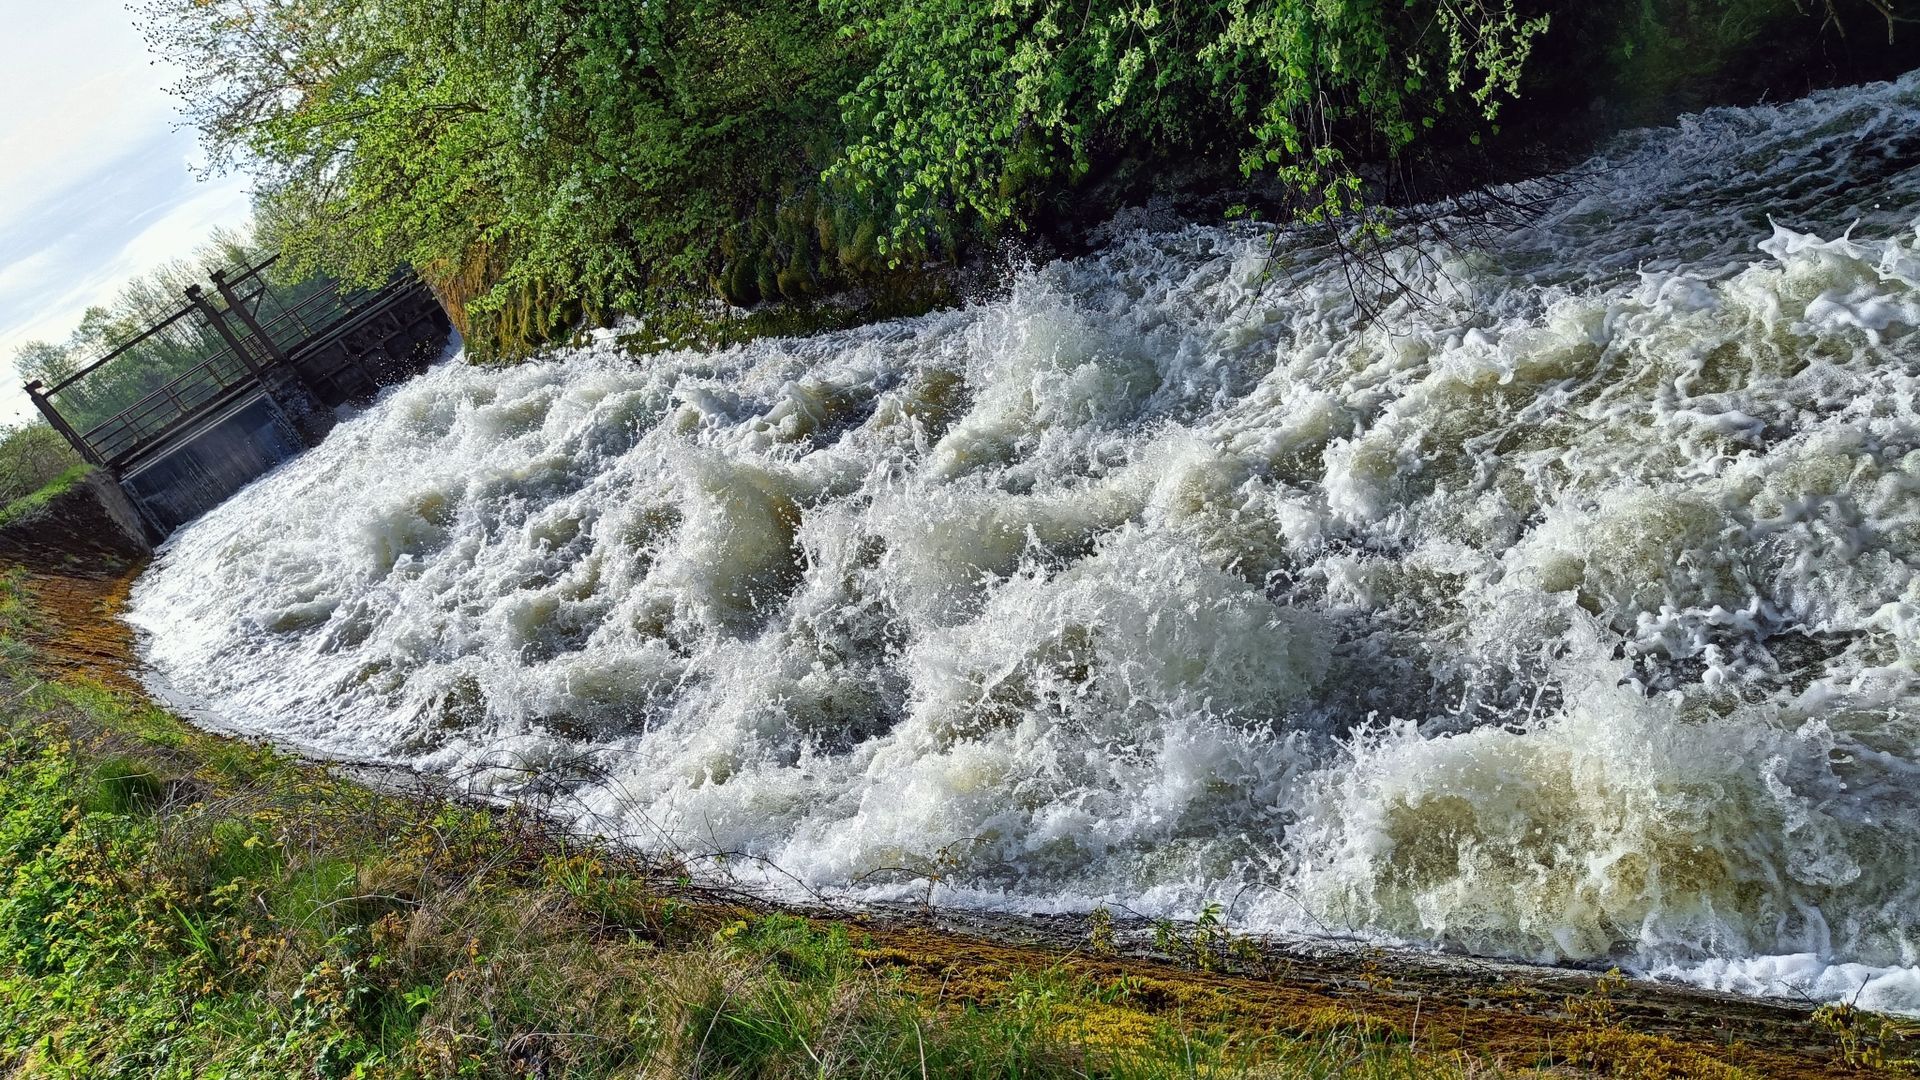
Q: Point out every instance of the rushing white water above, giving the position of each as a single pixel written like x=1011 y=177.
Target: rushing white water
x=1569 y=611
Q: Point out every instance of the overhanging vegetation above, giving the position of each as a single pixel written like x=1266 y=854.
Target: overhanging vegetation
x=556 y=160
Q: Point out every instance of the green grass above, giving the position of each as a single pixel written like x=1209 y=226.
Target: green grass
x=33 y=502
x=32 y=455
x=162 y=919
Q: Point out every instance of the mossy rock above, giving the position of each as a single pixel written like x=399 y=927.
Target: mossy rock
x=794 y=284
x=738 y=282
x=861 y=254
x=766 y=276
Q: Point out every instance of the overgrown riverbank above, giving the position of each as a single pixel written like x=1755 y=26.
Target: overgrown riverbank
x=174 y=903
x=554 y=163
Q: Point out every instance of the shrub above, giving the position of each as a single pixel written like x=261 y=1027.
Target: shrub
x=32 y=456
x=560 y=159
x=968 y=105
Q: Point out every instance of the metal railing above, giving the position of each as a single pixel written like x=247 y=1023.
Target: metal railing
x=194 y=360
x=194 y=391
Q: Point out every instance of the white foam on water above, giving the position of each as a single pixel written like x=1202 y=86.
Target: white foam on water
x=1566 y=611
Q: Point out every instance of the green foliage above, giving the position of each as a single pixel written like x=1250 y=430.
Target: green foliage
x=563 y=159
x=1100 y=932
x=33 y=502
x=1870 y=1040
x=541 y=161
x=120 y=784
x=968 y=105
x=33 y=456
x=1668 y=54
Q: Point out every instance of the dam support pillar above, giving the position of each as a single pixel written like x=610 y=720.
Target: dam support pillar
x=290 y=396
x=36 y=391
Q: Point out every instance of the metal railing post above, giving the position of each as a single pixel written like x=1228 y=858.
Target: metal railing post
x=60 y=424
x=232 y=297
x=286 y=389
x=212 y=315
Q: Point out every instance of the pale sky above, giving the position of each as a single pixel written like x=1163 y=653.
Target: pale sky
x=95 y=184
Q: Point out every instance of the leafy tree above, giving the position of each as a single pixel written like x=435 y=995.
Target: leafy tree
x=32 y=455
x=545 y=159
x=537 y=160
x=44 y=361
x=548 y=159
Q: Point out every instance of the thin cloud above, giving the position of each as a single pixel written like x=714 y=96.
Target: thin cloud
x=95 y=179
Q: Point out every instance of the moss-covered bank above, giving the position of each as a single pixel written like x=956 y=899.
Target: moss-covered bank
x=79 y=524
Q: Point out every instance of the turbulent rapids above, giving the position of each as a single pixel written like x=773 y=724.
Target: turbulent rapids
x=1564 y=605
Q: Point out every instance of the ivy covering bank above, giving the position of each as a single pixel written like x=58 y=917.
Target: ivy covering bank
x=546 y=160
